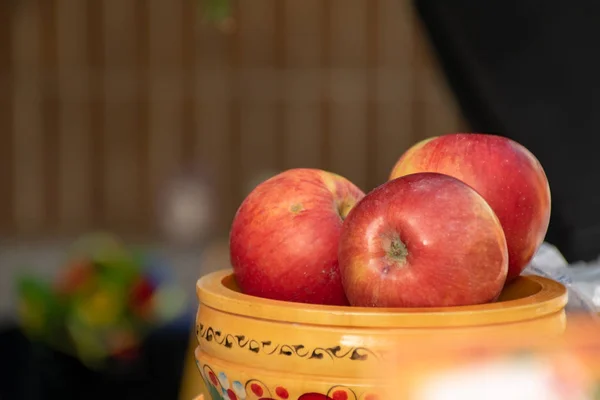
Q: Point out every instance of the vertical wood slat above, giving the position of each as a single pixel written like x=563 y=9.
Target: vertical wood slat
x=349 y=90
x=326 y=144
x=301 y=79
x=7 y=177
x=372 y=64
x=280 y=64
x=120 y=92
x=213 y=137
x=27 y=129
x=165 y=90
x=188 y=69
x=419 y=66
x=50 y=111
x=233 y=50
x=142 y=115
x=394 y=84
x=73 y=93
x=95 y=65
x=258 y=92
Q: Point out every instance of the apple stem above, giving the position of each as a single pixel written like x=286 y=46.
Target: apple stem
x=398 y=250
x=344 y=208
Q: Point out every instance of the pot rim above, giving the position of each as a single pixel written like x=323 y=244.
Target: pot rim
x=212 y=292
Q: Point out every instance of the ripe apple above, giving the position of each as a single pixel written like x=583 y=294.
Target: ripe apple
x=422 y=240
x=504 y=172
x=284 y=237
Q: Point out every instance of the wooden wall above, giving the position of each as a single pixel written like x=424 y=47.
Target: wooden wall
x=100 y=100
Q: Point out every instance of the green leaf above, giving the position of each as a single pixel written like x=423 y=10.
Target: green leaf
x=40 y=310
x=216 y=10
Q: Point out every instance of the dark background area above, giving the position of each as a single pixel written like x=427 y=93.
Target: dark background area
x=32 y=371
x=529 y=70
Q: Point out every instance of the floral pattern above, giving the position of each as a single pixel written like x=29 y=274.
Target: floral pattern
x=221 y=388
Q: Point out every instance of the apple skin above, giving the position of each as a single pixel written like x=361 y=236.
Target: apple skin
x=422 y=240
x=504 y=172
x=284 y=237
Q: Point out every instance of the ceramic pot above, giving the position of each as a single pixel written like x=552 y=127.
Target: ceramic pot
x=254 y=348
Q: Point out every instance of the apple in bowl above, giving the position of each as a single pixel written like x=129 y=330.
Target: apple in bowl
x=504 y=172
x=422 y=240
x=284 y=237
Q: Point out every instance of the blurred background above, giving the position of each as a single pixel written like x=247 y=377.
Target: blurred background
x=104 y=101
x=150 y=120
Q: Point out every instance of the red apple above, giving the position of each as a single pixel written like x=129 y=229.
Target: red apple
x=284 y=237
x=504 y=172
x=423 y=240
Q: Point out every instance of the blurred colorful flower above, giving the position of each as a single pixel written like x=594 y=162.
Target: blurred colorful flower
x=103 y=303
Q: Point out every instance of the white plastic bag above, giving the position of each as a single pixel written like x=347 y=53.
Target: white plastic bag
x=582 y=280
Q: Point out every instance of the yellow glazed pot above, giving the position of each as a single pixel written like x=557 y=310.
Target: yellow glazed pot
x=254 y=348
